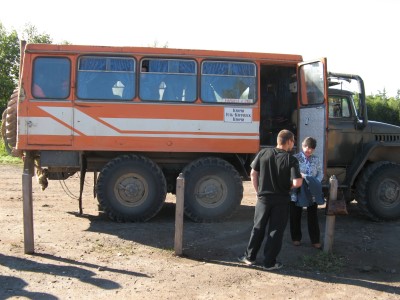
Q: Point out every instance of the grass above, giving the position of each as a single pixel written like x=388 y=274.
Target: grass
x=5 y=158
x=323 y=262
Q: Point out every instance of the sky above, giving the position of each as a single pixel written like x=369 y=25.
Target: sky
x=356 y=36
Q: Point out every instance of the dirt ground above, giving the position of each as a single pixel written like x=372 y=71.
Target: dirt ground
x=89 y=257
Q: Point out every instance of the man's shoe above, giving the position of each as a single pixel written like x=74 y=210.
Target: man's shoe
x=317 y=246
x=246 y=261
x=277 y=266
x=296 y=243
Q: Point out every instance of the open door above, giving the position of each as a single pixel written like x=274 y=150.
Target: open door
x=312 y=101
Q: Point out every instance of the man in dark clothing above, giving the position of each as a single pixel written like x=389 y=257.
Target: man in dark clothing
x=274 y=173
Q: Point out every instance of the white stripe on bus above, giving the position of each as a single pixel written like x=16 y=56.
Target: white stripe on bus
x=42 y=126
x=48 y=126
x=177 y=125
x=89 y=126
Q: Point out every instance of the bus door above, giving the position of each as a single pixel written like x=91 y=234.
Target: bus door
x=312 y=104
x=50 y=111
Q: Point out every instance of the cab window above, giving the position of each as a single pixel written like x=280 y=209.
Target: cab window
x=339 y=107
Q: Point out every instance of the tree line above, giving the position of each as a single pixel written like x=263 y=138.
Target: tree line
x=383 y=108
x=380 y=106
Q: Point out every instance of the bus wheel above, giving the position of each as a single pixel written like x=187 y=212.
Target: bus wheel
x=213 y=189
x=9 y=124
x=131 y=188
x=379 y=191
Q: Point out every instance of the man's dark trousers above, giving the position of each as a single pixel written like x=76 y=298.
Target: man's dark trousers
x=275 y=209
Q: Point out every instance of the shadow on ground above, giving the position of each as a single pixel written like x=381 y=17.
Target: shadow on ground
x=368 y=248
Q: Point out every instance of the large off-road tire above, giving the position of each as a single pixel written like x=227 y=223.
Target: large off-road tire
x=3 y=131
x=131 y=188
x=213 y=189
x=9 y=124
x=378 y=191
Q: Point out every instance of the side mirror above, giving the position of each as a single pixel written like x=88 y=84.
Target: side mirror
x=359 y=124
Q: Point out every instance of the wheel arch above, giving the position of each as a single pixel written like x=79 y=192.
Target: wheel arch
x=372 y=153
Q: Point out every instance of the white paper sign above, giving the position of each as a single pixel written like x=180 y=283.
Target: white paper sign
x=238 y=115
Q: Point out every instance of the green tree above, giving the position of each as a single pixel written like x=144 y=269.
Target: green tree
x=156 y=44
x=384 y=109
x=9 y=64
x=9 y=58
x=394 y=105
x=32 y=36
x=382 y=95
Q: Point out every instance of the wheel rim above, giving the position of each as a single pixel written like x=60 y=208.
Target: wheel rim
x=389 y=193
x=131 y=189
x=210 y=191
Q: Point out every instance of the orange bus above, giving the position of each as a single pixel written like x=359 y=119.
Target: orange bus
x=140 y=116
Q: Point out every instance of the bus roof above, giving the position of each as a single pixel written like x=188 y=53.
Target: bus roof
x=82 y=49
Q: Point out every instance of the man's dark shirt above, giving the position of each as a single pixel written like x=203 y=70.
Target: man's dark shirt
x=277 y=168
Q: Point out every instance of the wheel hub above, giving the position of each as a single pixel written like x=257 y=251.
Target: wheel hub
x=390 y=192
x=210 y=192
x=131 y=190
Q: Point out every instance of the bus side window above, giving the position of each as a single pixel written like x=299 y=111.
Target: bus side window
x=228 y=82
x=179 y=88
x=106 y=78
x=151 y=86
x=168 y=80
x=51 y=78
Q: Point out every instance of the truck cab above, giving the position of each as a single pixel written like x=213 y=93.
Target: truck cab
x=364 y=155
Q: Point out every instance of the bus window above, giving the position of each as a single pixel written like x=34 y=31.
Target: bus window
x=106 y=78
x=168 y=80
x=312 y=83
x=228 y=82
x=51 y=78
